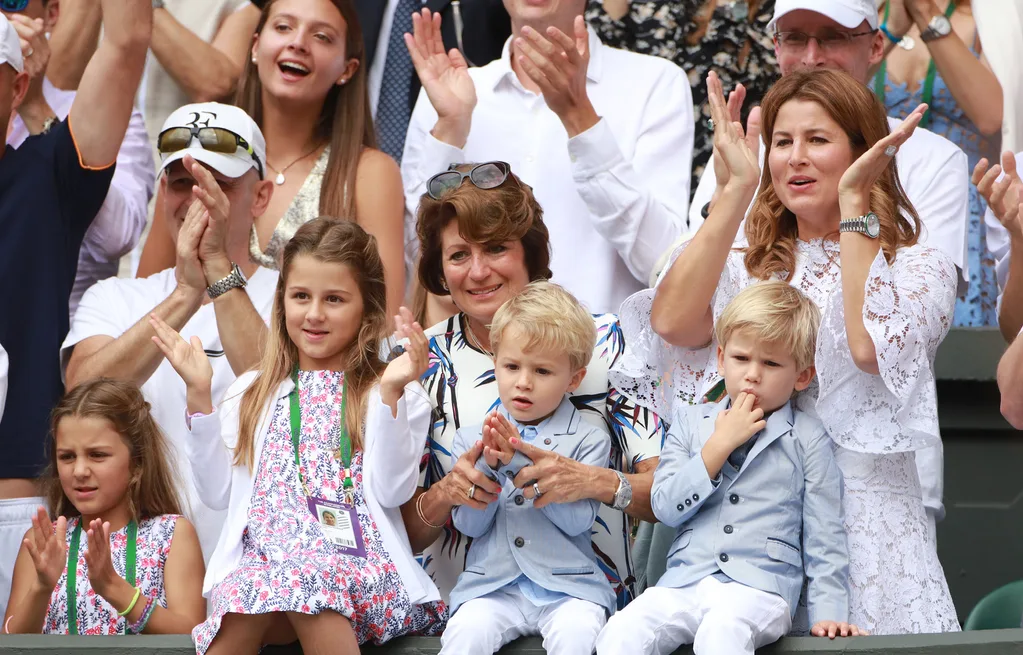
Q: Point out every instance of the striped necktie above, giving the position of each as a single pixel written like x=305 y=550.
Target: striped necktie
x=393 y=110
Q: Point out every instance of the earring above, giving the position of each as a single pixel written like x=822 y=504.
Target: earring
x=444 y=284
x=253 y=59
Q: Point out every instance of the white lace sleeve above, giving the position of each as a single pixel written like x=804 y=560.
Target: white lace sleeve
x=656 y=374
x=907 y=311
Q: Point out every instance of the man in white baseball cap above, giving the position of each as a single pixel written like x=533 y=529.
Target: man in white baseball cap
x=844 y=35
x=51 y=188
x=213 y=165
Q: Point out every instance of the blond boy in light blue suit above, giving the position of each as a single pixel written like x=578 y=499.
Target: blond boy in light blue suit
x=531 y=570
x=752 y=487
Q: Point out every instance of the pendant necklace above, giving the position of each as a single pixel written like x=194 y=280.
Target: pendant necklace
x=279 y=180
x=472 y=337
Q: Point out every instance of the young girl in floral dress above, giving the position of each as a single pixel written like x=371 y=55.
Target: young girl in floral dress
x=312 y=455
x=135 y=565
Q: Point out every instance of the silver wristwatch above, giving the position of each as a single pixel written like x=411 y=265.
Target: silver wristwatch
x=623 y=497
x=940 y=26
x=234 y=280
x=868 y=224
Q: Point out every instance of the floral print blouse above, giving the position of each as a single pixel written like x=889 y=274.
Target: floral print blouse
x=734 y=42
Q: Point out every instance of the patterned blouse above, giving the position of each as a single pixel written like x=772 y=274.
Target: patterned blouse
x=462 y=389
x=95 y=615
x=734 y=42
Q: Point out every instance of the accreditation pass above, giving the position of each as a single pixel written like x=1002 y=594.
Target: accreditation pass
x=340 y=525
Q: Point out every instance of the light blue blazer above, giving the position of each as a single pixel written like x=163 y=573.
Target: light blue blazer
x=764 y=525
x=550 y=545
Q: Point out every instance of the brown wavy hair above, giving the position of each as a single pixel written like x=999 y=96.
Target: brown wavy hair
x=771 y=229
x=345 y=120
x=509 y=212
x=334 y=241
x=151 y=489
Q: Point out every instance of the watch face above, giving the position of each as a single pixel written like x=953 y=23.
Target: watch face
x=941 y=25
x=873 y=224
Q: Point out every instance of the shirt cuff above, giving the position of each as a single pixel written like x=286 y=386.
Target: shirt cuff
x=437 y=156
x=593 y=151
x=189 y=417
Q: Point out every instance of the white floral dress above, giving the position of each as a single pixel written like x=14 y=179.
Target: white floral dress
x=287 y=564
x=95 y=615
x=876 y=421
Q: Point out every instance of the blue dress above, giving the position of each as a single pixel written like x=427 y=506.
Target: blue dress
x=978 y=307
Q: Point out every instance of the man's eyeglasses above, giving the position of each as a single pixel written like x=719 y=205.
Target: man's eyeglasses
x=484 y=176
x=214 y=139
x=13 y=5
x=826 y=41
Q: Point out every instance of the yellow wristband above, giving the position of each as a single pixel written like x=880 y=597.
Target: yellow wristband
x=138 y=592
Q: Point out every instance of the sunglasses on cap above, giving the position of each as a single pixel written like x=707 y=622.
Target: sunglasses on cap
x=484 y=176
x=13 y=5
x=214 y=139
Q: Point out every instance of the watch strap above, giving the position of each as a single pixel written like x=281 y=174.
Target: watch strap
x=233 y=280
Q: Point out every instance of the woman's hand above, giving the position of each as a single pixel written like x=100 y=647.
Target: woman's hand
x=456 y=485
x=736 y=153
x=48 y=549
x=411 y=364
x=858 y=180
x=832 y=629
x=559 y=478
x=1003 y=196
x=191 y=363
x=444 y=76
x=102 y=575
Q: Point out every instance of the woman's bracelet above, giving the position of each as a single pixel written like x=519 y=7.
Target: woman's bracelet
x=422 y=517
x=7 y=625
x=140 y=625
x=135 y=599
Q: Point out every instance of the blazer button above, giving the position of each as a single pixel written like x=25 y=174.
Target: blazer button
x=696 y=498
x=688 y=502
x=518 y=500
x=728 y=529
x=519 y=542
x=724 y=557
x=680 y=507
x=734 y=499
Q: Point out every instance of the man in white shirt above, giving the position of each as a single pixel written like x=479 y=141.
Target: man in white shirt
x=604 y=137
x=933 y=170
x=119 y=224
x=214 y=292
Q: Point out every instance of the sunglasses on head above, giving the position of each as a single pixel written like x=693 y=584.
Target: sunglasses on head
x=13 y=5
x=214 y=139
x=484 y=176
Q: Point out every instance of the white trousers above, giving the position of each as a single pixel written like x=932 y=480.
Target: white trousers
x=718 y=618
x=15 y=520
x=485 y=624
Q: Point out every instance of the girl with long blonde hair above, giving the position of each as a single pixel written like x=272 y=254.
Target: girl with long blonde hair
x=830 y=218
x=119 y=558
x=320 y=429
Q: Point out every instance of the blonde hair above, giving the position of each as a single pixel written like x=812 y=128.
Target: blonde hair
x=551 y=319
x=334 y=241
x=775 y=312
x=151 y=488
x=771 y=229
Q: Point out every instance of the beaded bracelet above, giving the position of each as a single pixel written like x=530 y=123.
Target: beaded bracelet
x=135 y=599
x=147 y=611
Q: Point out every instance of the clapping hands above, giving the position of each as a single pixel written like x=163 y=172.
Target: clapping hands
x=411 y=364
x=497 y=436
x=48 y=549
x=736 y=151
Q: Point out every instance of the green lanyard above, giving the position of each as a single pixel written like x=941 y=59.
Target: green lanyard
x=72 y=571
x=344 y=447
x=932 y=71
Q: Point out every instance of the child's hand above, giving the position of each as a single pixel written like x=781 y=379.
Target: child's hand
x=190 y=362
x=832 y=629
x=741 y=421
x=102 y=575
x=48 y=548
x=497 y=435
x=410 y=365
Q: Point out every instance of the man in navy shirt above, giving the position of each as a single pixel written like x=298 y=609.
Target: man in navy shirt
x=51 y=188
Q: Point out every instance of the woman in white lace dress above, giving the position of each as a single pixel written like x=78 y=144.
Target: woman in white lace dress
x=886 y=303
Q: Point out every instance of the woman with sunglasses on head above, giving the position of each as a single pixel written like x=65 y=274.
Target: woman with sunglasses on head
x=482 y=240
x=305 y=86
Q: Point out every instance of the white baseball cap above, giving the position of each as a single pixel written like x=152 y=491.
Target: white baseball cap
x=10 y=46
x=847 y=13
x=250 y=151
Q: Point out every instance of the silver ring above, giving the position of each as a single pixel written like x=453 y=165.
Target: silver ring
x=29 y=52
x=890 y=151
x=536 y=490
x=472 y=492
x=710 y=124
